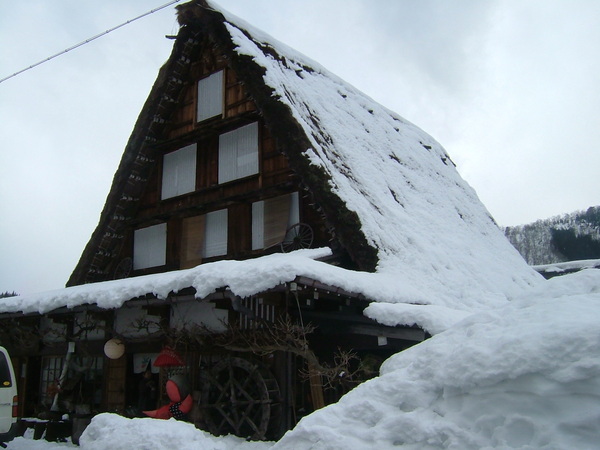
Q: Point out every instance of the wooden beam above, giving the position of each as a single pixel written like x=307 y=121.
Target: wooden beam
x=407 y=334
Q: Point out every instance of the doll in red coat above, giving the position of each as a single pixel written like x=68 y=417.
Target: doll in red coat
x=178 y=390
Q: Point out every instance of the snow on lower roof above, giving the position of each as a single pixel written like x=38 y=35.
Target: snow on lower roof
x=426 y=223
x=389 y=292
x=243 y=278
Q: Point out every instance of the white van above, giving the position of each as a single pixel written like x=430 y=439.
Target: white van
x=8 y=398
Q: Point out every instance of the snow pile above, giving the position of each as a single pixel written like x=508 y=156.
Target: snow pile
x=27 y=443
x=526 y=375
x=109 y=431
x=427 y=224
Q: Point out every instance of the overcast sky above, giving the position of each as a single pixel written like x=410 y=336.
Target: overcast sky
x=510 y=89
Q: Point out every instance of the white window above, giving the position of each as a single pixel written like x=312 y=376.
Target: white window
x=203 y=237
x=271 y=218
x=150 y=246
x=210 y=96
x=238 y=153
x=215 y=237
x=179 y=172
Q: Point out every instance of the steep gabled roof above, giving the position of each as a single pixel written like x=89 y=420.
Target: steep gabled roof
x=389 y=190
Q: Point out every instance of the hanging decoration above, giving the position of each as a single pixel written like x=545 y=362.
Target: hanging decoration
x=181 y=402
x=168 y=357
x=114 y=348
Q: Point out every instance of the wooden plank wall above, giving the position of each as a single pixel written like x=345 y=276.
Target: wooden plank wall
x=114 y=383
x=274 y=178
x=236 y=100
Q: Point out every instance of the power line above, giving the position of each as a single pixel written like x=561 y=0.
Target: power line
x=89 y=40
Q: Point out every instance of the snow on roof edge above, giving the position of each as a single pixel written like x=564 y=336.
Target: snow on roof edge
x=394 y=302
x=243 y=278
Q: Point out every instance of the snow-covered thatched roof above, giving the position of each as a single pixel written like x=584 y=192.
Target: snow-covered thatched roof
x=389 y=191
x=418 y=217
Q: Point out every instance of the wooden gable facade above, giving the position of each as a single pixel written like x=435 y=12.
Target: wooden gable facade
x=221 y=188
x=210 y=108
x=215 y=185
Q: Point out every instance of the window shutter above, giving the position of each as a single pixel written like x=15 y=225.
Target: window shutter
x=210 y=96
x=150 y=246
x=179 y=172
x=238 y=153
x=215 y=238
x=277 y=213
x=169 y=177
x=247 y=154
x=294 y=209
x=227 y=157
x=192 y=241
x=258 y=225
x=271 y=218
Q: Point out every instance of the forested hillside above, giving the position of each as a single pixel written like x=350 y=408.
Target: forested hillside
x=569 y=237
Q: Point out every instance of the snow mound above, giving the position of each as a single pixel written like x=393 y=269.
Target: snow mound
x=110 y=431
x=526 y=375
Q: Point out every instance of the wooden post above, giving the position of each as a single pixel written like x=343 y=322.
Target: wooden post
x=316 y=387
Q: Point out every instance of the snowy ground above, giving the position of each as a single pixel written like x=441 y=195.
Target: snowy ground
x=523 y=375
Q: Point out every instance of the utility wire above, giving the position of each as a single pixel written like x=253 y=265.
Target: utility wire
x=89 y=40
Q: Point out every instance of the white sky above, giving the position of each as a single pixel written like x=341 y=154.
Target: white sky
x=509 y=88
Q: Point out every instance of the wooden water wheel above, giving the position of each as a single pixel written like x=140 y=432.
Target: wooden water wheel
x=297 y=236
x=123 y=269
x=240 y=397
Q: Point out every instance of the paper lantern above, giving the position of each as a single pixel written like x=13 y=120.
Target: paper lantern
x=114 y=348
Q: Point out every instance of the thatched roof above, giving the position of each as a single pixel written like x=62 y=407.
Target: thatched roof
x=388 y=189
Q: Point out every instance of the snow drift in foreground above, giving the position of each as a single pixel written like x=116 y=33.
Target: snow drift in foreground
x=110 y=431
x=524 y=375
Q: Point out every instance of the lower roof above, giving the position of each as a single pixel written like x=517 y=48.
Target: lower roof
x=393 y=301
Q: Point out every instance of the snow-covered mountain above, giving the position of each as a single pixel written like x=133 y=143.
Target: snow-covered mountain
x=573 y=236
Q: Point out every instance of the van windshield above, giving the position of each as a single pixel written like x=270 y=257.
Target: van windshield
x=5 y=380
